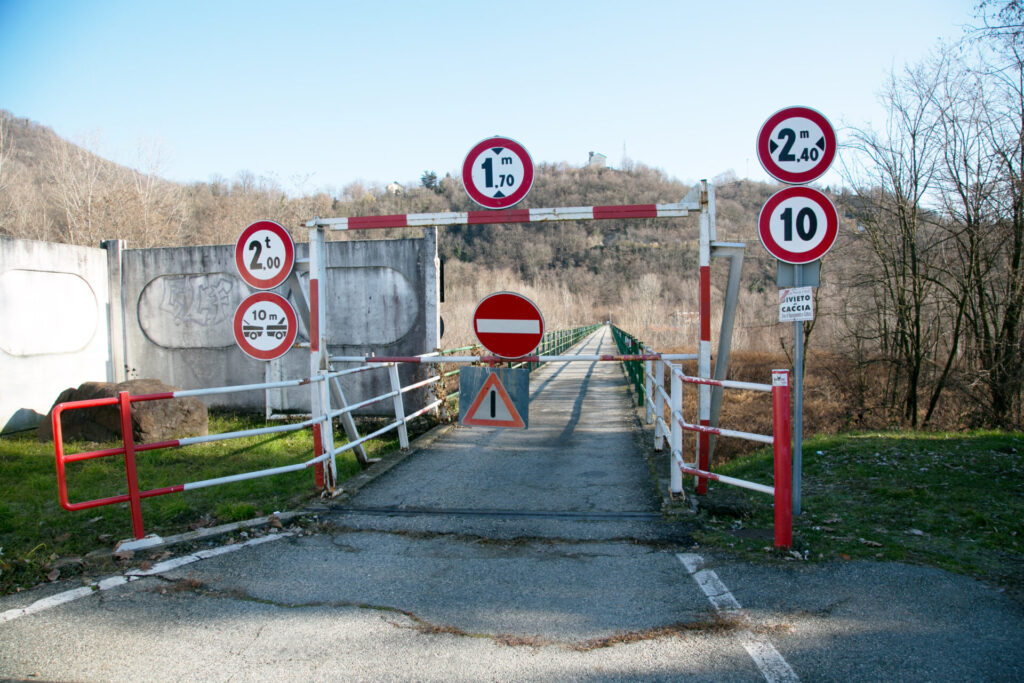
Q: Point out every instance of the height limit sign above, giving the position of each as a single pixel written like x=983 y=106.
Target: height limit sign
x=497 y=173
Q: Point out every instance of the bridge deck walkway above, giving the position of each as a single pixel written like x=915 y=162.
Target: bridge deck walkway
x=578 y=471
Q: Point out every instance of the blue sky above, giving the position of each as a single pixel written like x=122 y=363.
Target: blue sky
x=320 y=94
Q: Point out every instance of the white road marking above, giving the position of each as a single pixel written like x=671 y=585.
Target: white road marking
x=772 y=665
x=131 y=575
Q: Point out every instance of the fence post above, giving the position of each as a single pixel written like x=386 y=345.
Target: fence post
x=676 y=442
x=396 y=385
x=783 y=452
x=128 y=439
x=659 y=404
x=330 y=469
x=648 y=385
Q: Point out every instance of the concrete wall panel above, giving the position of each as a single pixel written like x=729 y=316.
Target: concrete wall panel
x=53 y=325
x=171 y=310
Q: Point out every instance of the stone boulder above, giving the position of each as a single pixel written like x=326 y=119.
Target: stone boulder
x=160 y=420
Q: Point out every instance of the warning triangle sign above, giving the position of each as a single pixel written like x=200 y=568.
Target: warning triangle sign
x=493 y=407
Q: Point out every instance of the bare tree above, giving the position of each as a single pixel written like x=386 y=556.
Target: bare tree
x=76 y=187
x=993 y=204
x=5 y=154
x=894 y=172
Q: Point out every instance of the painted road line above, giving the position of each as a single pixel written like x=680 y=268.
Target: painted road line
x=773 y=667
x=132 y=575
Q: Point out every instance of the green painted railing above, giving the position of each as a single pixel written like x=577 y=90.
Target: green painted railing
x=628 y=344
x=552 y=343
x=555 y=342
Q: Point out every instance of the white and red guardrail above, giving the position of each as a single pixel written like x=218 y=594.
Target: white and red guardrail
x=780 y=439
x=129 y=448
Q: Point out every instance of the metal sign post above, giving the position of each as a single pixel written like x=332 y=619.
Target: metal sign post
x=798 y=397
x=797 y=225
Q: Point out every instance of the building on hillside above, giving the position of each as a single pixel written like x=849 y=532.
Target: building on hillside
x=597 y=160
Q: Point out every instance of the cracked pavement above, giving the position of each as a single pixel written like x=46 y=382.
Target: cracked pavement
x=503 y=554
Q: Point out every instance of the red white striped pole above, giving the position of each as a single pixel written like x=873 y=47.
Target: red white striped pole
x=783 y=451
x=704 y=347
x=322 y=474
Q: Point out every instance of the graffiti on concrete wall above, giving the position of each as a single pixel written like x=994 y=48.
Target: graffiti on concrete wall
x=191 y=311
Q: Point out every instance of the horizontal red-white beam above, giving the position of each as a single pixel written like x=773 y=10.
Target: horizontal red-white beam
x=485 y=217
x=521 y=359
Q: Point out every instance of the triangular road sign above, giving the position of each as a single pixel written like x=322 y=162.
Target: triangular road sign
x=493 y=407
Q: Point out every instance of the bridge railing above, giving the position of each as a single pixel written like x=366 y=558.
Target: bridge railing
x=648 y=379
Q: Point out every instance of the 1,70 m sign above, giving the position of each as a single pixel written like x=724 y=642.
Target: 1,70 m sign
x=497 y=173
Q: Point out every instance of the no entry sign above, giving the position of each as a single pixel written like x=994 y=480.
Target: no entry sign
x=264 y=255
x=798 y=225
x=796 y=145
x=497 y=173
x=508 y=325
x=265 y=325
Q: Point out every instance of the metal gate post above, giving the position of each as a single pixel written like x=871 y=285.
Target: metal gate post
x=396 y=386
x=704 y=348
x=318 y=360
x=783 y=452
x=128 y=439
x=676 y=442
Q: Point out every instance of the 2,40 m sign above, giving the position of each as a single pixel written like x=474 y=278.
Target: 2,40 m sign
x=796 y=145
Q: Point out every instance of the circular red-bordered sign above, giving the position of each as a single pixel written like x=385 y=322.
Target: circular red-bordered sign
x=264 y=255
x=497 y=173
x=508 y=324
x=798 y=225
x=796 y=145
x=265 y=325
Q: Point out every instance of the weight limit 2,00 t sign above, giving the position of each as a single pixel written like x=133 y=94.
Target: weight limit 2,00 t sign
x=264 y=255
x=798 y=225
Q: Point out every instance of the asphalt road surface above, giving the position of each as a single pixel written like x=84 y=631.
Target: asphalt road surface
x=493 y=554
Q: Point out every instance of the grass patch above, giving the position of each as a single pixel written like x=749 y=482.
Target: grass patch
x=948 y=500
x=40 y=540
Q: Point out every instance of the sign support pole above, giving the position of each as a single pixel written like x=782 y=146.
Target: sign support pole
x=798 y=395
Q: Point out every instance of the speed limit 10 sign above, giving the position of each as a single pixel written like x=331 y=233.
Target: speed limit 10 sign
x=264 y=255
x=798 y=225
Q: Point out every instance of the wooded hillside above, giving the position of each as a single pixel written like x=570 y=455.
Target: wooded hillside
x=921 y=303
